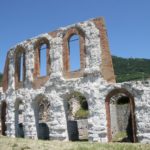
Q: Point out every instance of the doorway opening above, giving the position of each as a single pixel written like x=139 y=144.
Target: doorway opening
x=121 y=126
x=3 y=117
x=77 y=116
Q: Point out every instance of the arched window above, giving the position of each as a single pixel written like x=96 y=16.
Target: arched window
x=43 y=66
x=21 y=67
x=42 y=58
x=20 y=64
x=74 y=51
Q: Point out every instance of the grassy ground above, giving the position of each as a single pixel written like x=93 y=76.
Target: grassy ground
x=26 y=144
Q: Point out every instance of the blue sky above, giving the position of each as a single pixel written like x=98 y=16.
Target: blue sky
x=127 y=22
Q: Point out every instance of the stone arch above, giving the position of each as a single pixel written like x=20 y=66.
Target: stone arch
x=131 y=118
x=42 y=116
x=20 y=67
x=76 y=108
x=19 y=118
x=37 y=47
x=3 y=117
x=66 y=58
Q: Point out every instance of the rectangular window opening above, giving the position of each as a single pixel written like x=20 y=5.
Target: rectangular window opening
x=74 y=49
x=21 y=69
x=43 y=60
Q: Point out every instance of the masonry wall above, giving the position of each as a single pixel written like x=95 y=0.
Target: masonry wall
x=95 y=80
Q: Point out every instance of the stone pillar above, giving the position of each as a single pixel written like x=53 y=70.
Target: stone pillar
x=142 y=114
x=97 y=118
x=29 y=65
x=10 y=119
x=92 y=46
x=58 y=123
x=11 y=73
x=10 y=98
x=56 y=56
x=29 y=119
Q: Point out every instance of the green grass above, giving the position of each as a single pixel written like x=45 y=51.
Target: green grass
x=119 y=136
x=27 y=144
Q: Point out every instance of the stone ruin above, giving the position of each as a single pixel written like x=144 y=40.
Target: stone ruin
x=37 y=106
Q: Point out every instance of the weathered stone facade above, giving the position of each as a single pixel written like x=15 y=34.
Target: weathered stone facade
x=48 y=94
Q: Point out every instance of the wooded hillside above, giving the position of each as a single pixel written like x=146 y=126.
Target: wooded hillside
x=127 y=69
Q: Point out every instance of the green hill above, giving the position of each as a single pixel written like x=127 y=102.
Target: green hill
x=127 y=69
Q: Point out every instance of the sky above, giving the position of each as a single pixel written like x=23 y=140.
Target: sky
x=127 y=22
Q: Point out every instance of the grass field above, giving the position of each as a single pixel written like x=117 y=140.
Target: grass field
x=26 y=144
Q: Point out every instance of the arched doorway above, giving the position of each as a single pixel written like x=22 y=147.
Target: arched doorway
x=121 y=126
x=3 y=117
x=19 y=131
x=76 y=107
x=42 y=117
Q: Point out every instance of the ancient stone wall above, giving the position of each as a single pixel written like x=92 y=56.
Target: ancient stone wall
x=95 y=80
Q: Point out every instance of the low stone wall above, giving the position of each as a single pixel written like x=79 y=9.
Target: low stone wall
x=123 y=112
x=83 y=129
x=114 y=122
x=119 y=117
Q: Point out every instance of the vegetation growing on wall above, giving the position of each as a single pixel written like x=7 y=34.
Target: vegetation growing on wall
x=82 y=113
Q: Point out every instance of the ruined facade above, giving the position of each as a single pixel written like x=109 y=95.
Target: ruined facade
x=35 y=105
